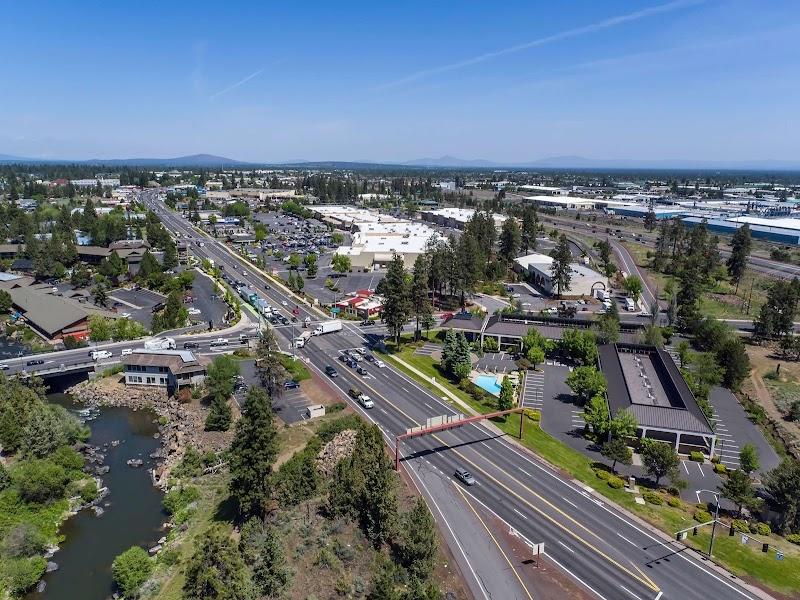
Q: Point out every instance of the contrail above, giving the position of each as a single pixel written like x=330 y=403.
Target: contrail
x=569 y=33
x=237 y=84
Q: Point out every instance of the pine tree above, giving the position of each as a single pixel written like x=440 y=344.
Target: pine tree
x=252 y=454
x=510 y=240
x=216 y=571
x=416 y=544
x=397 y=305
x=420 y=303
x=740 y=250
x=561 y=269
x=738 y=488
x=269 y=368
x=506 y=399
x=220 y=383
x=262 y=550
x=170 y=260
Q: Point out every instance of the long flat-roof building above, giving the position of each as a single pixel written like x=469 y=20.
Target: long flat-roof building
x=375 y=244
x=456 y=218
x=646 y=381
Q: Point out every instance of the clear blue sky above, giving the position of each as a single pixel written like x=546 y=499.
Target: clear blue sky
x=715 y=79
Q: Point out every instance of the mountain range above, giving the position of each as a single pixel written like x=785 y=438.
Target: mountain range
x=450 y=162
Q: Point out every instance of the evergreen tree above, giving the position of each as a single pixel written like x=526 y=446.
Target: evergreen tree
x=506 y=399
x=397 y=306
x=616 y=450
x=748 y=458
x=99 y=294
x=416 y=543
x=216 y=570
x=561 y=268
x=420 y=303
x=269 y=368
x=530 y=227
x=170 y=260
x=252 y=454
x=738 y=488
x=608 y=325
x=148 y=265
x=740 y=250
x=262 y=550
x=510 y=240
x=220 y=382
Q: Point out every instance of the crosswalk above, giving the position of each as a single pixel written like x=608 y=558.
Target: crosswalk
x=533 y=390
x=576 y=417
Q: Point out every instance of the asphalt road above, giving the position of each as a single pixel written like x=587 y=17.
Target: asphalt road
x=603 y=549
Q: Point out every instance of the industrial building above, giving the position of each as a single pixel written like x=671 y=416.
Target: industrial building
x=645 y=381
x=562 y=202
x=641 y=211
x=782 y=231
x=456 y=218
x=537 y=268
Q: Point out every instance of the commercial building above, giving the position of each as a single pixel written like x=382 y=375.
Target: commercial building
x=645 y=381
x=562 y=202
x=456 y=218
x=641 y=211
x=537 y=268
x=362 y=304
x=170 y=369
x=89 y=183
x=345 y=217
x=375 y=244
x=782 y=231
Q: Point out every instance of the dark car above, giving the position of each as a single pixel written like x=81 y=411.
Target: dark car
x=187 y=345
x=35 y=361
x=291 y=384
x=266 y=287
x=352 y=364
x=344 y=358
x=361 y=370
x=365 y=322
x=331 y=372
x=369 y=357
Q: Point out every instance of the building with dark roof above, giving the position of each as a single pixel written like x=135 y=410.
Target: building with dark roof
x=647 y=382
x=170 y=369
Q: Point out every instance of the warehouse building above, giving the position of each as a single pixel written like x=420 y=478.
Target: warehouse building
x=782 y=231
x=456 y=218
x=374 y=245
x=537 y=268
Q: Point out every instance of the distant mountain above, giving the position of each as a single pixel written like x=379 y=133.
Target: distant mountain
x=450 y=161
x=7 y=158
x=194 y=161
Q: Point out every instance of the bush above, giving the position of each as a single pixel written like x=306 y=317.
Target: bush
x=490 y=345
x=40 y=481
x=720 y=469
x=794 y=538
x=653 y=498
x=616 y=483
x=131 y=569
x=697 y=456
x=23 y=541
x=674 y=502
x=702 y=516
x=21 y=574
x=603 y=474
x=179 y=498
x=760 y=528
x=89 y=491
x=740 y=525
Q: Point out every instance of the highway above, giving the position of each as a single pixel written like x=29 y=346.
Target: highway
x=603 y=549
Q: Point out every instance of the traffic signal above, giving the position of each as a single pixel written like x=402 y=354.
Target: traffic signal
x=694 y=531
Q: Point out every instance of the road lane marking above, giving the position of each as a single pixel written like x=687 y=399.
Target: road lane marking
x=520 y=514
x=565 y=546
x=570 y=502
x=626 y=539
x=630 y=592
x=510 y=564
x=578 y=579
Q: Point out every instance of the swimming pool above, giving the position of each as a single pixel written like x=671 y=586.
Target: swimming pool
x=489 y=383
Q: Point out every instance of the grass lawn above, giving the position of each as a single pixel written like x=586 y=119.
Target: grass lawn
x=295 y=368
x=747 y=562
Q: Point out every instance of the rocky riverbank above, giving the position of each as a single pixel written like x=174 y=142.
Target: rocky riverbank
x=180 y=424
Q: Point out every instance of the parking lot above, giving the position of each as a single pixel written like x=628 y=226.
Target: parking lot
x=290 y=407
x=211 y=309
x=138 y=303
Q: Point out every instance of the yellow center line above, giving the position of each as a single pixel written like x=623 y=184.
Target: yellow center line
x=644 y=579
x=496 y=543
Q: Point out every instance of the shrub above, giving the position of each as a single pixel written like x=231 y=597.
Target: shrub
x=720 y=469
x=760 y=528
x=603 y=474
x=490 y=345
x=89 y=491
x=697 y=456
x=702 y=516
x=131 y=569
x=21 y=574
x=794 y=538
x=23 y=541
x=653 y=498
x=616 y=483
x=179 y=498
x=40 y=481
x=740 y=525
x=674 y=502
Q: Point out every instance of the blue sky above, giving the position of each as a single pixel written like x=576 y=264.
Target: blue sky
x=517 y=81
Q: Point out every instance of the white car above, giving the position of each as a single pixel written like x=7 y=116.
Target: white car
x=365 y=401
x=379 y=363
x=193 y=311
x=126 y=315
x=284 y=303
x=126 y=351
x=4 y=367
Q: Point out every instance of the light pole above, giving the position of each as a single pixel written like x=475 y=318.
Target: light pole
x=716 y=518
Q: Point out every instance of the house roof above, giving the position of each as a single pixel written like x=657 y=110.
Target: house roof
x=177 y=361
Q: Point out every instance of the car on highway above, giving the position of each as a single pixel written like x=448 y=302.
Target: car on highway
x=352 y=364
x=330 y=371
x=465 y=476
x=369 y=358
x=365 y=401
x=361 y=371
x=219 y=342
x=4 y=367
x=193 y=311
x=187 y=345
x=35 y=361
x=379 y=363
x=126 y=352
x=291 y=384
x=284 y=303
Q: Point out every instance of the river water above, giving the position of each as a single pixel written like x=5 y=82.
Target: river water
x=133 y=515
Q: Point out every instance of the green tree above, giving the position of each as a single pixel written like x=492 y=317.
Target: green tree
x=269 y=368
x=608 y=325
x=5 y=301
x=262 y=550
x=310 y=261
x=738 y=488
x=216 y=570
x=170 y=259
x=99 y=294
x=561 y=268
x=420 y=302
x=684 y=353
x=650 y=220
x=535 y=355
x=252 y=454
x=100 y=329
x=633 y=286
x=659 y=459
x=506 y=399
x=586 y=382
x=623 y=425
x=782 y=483
x=113 y=267
x=148 y=266
x=617 y=451
x=748 y=459
x=341 y=263
x=397 y=305
x=80 y=277
x=220 y=382
x=131 y=569
x=40 y=481
x=595 y=414
x=294 y=261
x=416 y=544
x=740 y=250
x=510 y=240
x=580 y=346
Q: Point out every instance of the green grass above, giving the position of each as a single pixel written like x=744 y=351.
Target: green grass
x=46 y=518
x=744 y=561
x=295 y=367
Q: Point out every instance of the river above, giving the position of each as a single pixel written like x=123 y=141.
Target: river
x=133 y=515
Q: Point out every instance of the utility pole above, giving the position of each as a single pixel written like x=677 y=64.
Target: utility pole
x=716 y=518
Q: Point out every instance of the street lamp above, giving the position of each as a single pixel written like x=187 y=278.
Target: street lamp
x=716 y=518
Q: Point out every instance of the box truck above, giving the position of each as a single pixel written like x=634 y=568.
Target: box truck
x=328 y=327
x=160 y=343
x=301 y=339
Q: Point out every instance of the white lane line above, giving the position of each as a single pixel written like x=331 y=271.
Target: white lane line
x=570 y=502
x=567 y=547
x=428 y=405
x=626 y=539
x=685 y=468
x=520 y=514
x=576 y=578
x=630 y=592
x=524 y=471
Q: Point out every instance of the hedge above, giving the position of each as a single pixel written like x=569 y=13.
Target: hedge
x=697 y=456
x=720 y=469
x=653 y=498
x=760 y=528
x=740 y=525
x=674 y=501
x=794 y=538
x=604 y=475
x=616 y=483
x=702 y=516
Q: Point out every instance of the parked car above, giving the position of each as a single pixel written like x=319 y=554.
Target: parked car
x=465 y=476
x=291 y=384
x=331 y=372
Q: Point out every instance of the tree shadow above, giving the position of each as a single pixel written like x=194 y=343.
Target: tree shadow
x=226 y=511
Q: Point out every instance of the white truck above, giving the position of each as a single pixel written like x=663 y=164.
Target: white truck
x=160 y=343
x=328 y=327
x=301 y=339
x=101 y=354
x=630 y=305
x=602 y=294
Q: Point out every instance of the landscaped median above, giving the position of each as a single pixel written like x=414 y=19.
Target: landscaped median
x=663 y=510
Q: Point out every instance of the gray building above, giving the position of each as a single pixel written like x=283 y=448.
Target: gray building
x=171 y=369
